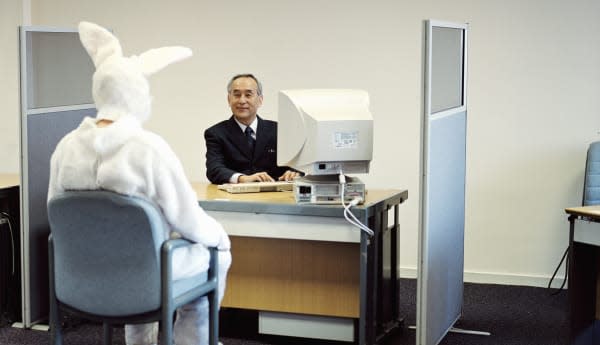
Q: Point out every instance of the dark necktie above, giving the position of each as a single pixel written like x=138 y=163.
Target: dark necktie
x=251 y=141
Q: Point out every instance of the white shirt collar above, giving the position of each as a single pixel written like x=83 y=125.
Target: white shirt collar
x=253 y=125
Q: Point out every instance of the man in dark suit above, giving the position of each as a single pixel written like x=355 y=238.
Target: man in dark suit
x=244 y=147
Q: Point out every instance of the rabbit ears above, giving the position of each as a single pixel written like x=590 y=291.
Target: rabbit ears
x=102 y=45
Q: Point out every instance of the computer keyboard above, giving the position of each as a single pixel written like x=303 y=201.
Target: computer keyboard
x=257 y=187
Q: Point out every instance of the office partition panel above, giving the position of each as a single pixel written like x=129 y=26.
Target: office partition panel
x=442 y=214
x=56 y=76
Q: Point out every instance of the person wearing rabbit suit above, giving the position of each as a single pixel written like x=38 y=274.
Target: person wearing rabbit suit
x=112 y=151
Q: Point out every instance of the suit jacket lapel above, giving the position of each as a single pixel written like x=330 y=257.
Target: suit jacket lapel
x=239 y=138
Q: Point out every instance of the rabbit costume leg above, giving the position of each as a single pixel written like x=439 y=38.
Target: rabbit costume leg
x=142 y=334
x=191 y=324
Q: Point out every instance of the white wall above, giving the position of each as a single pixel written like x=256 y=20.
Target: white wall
x=10 y=19
x=534 y=77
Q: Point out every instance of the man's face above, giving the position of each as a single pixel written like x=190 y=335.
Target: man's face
x=244 y=100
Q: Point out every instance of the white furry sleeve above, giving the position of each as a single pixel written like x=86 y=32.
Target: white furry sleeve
x=54 y=187
x=178 y=201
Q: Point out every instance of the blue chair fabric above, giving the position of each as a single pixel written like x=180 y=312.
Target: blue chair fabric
x=591 y=184
x=109 y=262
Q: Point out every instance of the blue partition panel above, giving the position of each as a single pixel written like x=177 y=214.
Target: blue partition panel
x=44 y=131
x=442 y=216
x=443 y=244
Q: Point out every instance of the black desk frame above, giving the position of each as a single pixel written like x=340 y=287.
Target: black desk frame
x=584 y=267
x=10 y=289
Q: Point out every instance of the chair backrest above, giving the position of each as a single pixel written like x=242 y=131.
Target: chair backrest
x=106 y=252
x=591 y=184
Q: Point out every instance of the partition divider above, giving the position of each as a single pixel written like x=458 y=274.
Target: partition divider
x=56 y=80
x=443 y=155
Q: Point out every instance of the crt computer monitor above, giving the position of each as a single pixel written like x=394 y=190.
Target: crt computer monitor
x=325 y=131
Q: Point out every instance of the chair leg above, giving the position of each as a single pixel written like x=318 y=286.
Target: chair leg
x=213 y=311
x=166 y=327
x=56 y=337
x=107 y=333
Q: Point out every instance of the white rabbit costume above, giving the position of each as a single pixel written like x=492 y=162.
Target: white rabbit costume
x=125 y=158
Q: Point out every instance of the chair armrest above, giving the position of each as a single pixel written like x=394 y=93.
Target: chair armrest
x=208 y=288
x=170 y=245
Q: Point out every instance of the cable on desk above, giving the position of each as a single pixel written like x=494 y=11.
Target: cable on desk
x=350 y=217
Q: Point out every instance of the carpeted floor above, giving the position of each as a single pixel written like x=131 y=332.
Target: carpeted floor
x=514 y=315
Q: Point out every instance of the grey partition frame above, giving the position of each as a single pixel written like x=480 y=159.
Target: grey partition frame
x=56 y=77
x=442 y=214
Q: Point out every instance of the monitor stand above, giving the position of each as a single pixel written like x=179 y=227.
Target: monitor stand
x=327 y=189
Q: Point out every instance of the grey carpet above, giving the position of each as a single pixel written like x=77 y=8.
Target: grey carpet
x=515 y=315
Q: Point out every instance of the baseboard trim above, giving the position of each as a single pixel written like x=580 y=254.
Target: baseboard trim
x=497 y=278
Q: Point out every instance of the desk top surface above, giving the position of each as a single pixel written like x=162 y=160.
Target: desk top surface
x=213 y=199
x=585 y=211
x=9 y=180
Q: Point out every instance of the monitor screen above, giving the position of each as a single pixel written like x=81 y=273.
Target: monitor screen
x=325 y=131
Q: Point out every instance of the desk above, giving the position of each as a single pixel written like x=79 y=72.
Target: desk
x=584 y=279
x=307 y=260
x=10 y=248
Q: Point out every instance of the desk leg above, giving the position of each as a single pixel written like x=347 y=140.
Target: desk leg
x=570 y=255
x=379 y=289
x=394 y=319
x=375 y=273
x=388 y=318
x=368 y=284
x=394 y=279
x=583 y=271
x=365 y=322
x=571 y=282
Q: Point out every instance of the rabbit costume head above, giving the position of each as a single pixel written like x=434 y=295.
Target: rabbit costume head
x=120 y=85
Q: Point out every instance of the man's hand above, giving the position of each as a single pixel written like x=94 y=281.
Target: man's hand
x=288 y=175
x=258 y=177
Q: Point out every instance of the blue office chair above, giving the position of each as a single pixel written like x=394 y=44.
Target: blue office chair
x=591 y=196
x=109 y=263
x=591 y=183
